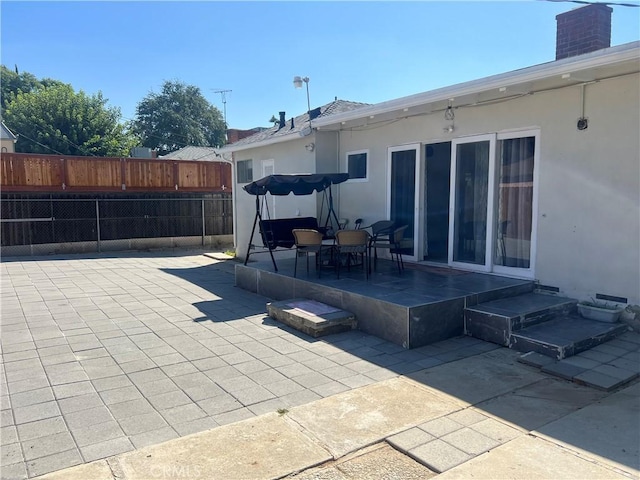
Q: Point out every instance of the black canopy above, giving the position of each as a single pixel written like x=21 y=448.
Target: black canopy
x=300 y=184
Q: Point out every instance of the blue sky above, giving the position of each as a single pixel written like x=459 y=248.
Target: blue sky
x=360 y=51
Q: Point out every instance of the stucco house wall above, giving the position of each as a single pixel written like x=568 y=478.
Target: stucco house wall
x=288 y=157
x=586 y=202
x=588 y=213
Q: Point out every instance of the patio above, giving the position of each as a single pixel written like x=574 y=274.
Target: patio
x=103 y=354
x=423 y=305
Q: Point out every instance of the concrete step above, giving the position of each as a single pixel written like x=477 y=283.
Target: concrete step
x=311 y=317
x=564 y=336
x=497 y=320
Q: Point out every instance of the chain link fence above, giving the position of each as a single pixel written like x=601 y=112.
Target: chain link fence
x=111 y=223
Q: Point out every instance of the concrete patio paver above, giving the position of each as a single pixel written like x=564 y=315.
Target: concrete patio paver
x=531 y=458
x=115 y=355
x=278 y=444
x=607 y=430
x=352 y=420
x=132 y=349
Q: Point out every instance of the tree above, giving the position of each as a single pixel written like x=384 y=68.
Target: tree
x=176 y=117
x=13 y=82
x=53 y=118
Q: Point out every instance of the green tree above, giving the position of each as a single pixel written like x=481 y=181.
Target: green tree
x=53 y=118
x=176 y=117
x=12 y=83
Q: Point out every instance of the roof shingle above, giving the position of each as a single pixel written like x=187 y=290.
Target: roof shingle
x=299 y=123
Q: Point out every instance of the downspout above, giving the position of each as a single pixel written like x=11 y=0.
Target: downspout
x=234 y=203
x=338 y=168
x=233 y=198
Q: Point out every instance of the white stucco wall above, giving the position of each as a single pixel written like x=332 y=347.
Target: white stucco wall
x=288 y=157
x=588 y=238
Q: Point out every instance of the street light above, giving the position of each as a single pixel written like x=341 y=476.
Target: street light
x=297 y=83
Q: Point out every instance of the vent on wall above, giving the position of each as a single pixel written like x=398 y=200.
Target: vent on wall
x=548 y=288
x=611 y=298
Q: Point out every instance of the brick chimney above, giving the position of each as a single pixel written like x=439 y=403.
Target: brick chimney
x=235 y=134
x=583 y=30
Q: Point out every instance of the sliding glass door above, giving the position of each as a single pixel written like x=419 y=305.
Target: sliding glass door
x=515 y=220
x=403 y=200
x=471 y=204
x=492 y=203
x=437 y=181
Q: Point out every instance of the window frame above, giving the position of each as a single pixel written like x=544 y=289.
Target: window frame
x=358 y=152
x=238 y=180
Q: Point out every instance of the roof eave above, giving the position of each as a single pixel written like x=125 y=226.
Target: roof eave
x=263 y=143
x=609 y=56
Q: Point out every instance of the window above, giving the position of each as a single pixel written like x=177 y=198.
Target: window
x=268 y=168
x=245 y=171
x=357 y=167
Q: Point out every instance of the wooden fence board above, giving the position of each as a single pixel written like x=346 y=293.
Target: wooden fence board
x=93 y=172
x=191 y=175
x=32 y=171
x=148 y=174
x=27 y=172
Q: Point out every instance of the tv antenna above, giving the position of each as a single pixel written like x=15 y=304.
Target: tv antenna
x=223 y=95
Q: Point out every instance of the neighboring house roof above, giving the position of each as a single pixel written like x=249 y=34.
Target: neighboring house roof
x=300 y=126
x=205 y=154
x=589 y=67
x=6 y=134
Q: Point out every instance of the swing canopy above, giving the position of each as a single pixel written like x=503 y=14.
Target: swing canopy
x=298 y=184
x=279 y=232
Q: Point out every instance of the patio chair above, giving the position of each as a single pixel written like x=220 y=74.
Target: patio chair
x=395 y=245
x=308 y=241
x=380 y=230
x=354 y=243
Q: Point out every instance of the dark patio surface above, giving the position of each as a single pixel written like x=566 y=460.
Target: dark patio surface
x=424 y=304
x=417 y=285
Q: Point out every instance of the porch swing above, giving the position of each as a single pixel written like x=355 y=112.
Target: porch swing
x=277 y=233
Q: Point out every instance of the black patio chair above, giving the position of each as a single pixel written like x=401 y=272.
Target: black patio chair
x=379 y=230
x=395 y=244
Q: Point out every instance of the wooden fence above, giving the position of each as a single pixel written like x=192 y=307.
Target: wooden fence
x=31 y=172
x=36 y=219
